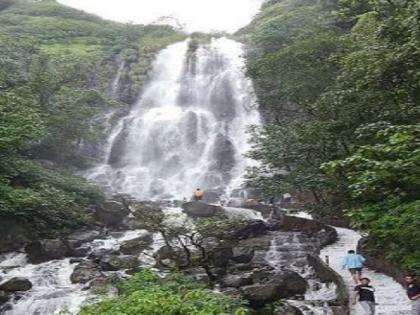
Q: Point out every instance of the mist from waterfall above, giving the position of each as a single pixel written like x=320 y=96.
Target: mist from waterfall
x=189 y=127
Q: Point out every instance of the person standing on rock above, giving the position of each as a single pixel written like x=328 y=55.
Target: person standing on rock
x=365 y=293
x=198 y=194
x=413 y=293
x=354 y=263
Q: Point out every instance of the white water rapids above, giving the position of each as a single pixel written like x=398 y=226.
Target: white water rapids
x=188 y=129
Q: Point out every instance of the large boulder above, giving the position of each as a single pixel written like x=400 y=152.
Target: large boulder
x=16 y=284
x=242 y=255
x=112 y=214
x=115 y=263
x=137 y=245
x=84 y=235
x=45 y=250
x=85 y=272
x=272 y=286
x=250 y=229
x=200 y=209
x=261 y=294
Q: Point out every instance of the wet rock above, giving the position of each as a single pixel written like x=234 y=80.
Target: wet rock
x=76 y=260
x=261 y=294
x=141 y=207
x=213 y=195
x=117 y=150
x=223 y=156
x=16 y=284
x=233 y=292
x=200 y=209
x=97 y=254
x=114 y=263
x=264 y=209
x=45 y=250
x=167 y=256
x=4 y=297
x=77 y=252
x=242 y=255
x=236 y=281
x=112 y=214
x=273 y=286
x=85 y=272
x=286 y=309
x=251 y=229
x=137 y=245
x=84 y=236
x=221 y=257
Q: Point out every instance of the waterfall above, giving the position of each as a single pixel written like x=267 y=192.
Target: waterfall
x=188 y=128
x=115 y=85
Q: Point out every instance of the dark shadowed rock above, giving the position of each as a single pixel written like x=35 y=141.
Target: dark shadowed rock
x=97 y=254
x=221 y=257
x=12 y=236
x=213 y=195
x=114 y=262
x=242 y=255
x=273 y=286
x=112 y=214
x=137 y=245
x=16 y=284
x=236 y=281
x=84 y=236
x=286 y=309
x=201 y=209
x=45 y=250
x=251 y=229
x=74 y=251
x=4 y=297
x=117 y=150
x=223 y=156
x=85 y=272
x=167 y=256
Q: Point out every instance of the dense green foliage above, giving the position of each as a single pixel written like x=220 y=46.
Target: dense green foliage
x=148 y=294
x=57 y=65
x=340 y=83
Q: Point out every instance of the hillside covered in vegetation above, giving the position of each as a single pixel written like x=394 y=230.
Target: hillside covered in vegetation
x=57 y=65
x=340 y=83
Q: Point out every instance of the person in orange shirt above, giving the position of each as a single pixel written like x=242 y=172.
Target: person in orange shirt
x=198 y=194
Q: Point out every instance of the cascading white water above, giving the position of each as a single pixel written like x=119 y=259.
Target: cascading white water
x=189 y=127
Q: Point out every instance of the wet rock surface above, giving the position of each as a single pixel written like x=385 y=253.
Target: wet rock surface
x=200 y=209
x=137 y=245
x=16 y=284
x=112 y=214
x=45 y=250
x=85 y=272
x=272 y=286
x=115 y=263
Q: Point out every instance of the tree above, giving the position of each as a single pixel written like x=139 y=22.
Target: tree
x=189 y=244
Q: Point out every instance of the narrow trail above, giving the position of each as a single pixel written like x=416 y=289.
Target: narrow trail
x=390 y=295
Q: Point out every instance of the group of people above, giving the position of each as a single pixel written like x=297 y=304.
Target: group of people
x=364 y=292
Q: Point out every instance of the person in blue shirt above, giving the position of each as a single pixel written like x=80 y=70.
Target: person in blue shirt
x=354 y=263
